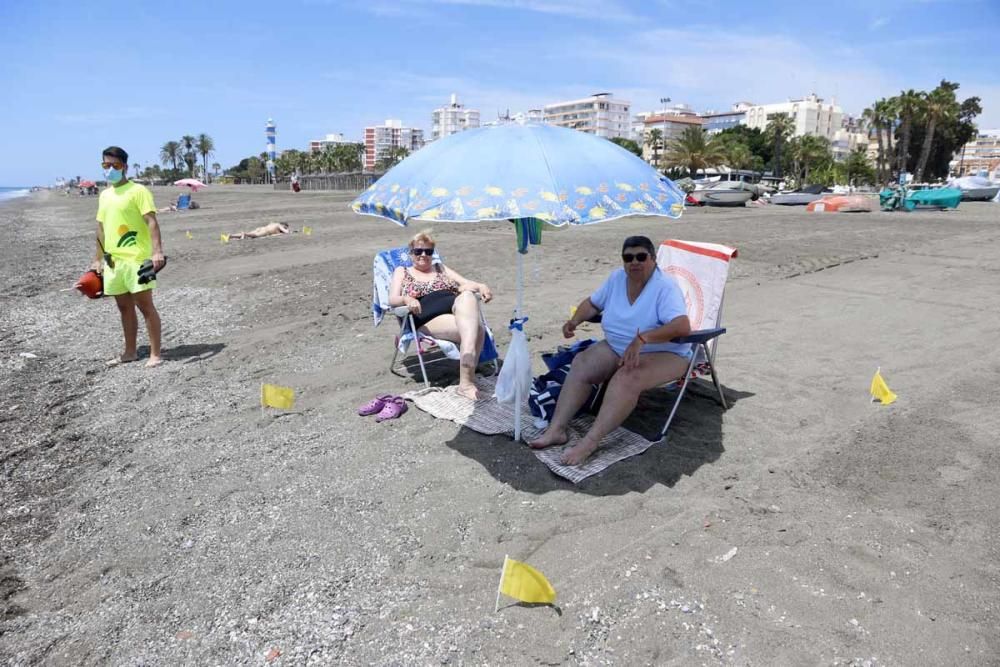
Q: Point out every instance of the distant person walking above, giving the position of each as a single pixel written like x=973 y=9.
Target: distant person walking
x=295 y=183
x=129 y=252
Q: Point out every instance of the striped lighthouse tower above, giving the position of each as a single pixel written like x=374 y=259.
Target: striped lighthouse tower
x=269 y=131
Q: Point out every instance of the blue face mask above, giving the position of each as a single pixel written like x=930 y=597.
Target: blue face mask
x=113 y=175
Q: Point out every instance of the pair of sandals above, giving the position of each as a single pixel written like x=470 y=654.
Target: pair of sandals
x=384 y=407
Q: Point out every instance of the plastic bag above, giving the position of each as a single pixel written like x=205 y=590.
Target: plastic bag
x=515 y=375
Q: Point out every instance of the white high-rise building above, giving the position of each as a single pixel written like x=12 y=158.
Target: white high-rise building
x=317 y=145
x=810 y=115
x=599 y=114
x=380 y=139
x=452 y=119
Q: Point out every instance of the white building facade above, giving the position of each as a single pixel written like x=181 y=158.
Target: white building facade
x=599 y=114
x=981 y=156
x=452 y=119
x=317 y=145
x=381 y=139
x=810 y=115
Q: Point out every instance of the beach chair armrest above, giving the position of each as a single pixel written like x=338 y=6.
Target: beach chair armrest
x=700 y=336
x=401 y=311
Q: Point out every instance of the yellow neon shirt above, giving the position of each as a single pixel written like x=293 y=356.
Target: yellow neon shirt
x=120 y=211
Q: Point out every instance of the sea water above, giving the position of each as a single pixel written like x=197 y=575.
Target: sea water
x=11 y=193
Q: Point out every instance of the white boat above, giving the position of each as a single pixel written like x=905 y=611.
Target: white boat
x=802 y=196
x=975 y=188
x=722 y=193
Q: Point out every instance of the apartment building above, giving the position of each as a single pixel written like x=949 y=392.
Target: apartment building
x=452 y=119
x=717 y=121
x=380 y=139
x=810 y=115
x=599 y=114
x=981 y=156
x=317 y=145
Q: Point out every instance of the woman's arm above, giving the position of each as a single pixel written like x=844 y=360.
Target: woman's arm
x=396 y=288
x=466 y=285
x=675 y=328
x=585 y=311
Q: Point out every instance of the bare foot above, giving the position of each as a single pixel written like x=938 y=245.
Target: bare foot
x=153 y=362
x=550 y=438
x=120 y=359
x=470 y=391
x=578 y=453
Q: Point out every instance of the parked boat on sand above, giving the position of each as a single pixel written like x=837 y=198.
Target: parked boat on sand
x=800 y=197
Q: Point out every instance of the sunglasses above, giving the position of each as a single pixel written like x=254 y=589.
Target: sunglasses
x=111 y=165
x=422 y=251
x=627 y=257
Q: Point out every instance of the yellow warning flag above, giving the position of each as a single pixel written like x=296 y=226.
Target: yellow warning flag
x=223 y=238
x=523 y=582
x=307 y=231
x=880 y=390
x=273 y=396
x=189 y=234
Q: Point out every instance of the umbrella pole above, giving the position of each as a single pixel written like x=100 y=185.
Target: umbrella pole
x=517 y=314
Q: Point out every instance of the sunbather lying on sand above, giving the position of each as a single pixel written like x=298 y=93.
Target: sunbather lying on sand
x=273 y=229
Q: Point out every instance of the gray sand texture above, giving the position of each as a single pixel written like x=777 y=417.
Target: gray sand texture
x=155 y=517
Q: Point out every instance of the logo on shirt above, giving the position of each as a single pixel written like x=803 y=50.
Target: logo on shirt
x=127 y=238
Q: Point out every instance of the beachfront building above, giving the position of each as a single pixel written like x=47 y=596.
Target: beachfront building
x=599 y=114
x=317 y=145
x=810 y=115
x=717 y=121
x=670 y=126
x=452 y=119
x=381 y=139
x=981 y=156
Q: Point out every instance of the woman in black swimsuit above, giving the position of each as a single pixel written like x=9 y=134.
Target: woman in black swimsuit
x=444 y=305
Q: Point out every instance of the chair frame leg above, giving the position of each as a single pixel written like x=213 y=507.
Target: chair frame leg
x=420 y=355
x=680 y=394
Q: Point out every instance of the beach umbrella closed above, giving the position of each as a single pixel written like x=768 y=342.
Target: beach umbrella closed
x=192 y=183
x=530 y=174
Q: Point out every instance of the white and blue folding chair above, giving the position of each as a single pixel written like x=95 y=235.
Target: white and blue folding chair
x=408 y=336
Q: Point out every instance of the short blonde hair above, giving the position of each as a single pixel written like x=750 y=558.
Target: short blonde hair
x=422 y=237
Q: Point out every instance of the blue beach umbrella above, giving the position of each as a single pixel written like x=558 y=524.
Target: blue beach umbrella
x=532 y=175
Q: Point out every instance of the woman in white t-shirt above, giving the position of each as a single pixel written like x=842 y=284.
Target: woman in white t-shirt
x=642 y=310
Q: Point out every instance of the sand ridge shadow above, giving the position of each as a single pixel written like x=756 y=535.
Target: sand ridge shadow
x=694 y=439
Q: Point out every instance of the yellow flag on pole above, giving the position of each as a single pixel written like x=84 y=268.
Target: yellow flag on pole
x=274 y=396
x=523 y=582
x=189 y=234
x=307 y=231
x=224 y=238
x=880 y=390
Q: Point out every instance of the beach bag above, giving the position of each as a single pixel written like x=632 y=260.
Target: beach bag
x=545 y=389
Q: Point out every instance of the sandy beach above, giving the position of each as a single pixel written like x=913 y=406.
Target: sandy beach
x=155 y=517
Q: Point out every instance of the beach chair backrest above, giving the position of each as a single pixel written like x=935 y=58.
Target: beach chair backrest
x=183 y=201
x=701 y=270
x=385 y=263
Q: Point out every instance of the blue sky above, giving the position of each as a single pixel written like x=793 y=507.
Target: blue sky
x=78 y=76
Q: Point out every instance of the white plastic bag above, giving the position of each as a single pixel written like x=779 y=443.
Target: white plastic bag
x=515 y=376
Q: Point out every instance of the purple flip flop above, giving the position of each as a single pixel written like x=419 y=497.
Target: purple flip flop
x=374 y=406
x=394 y=407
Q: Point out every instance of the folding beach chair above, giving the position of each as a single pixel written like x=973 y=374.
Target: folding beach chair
x=422 y=343
x=701 y=270
x=183 y=202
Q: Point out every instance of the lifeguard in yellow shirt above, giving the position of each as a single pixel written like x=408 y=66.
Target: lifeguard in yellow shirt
x=127 y=236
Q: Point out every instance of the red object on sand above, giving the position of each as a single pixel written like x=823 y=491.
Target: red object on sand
x=91 y=285
x=87 y=184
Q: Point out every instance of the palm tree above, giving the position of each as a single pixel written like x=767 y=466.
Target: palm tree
x=780 y=126
x=738 y=155
x=654 y=139
x=910 y=106
x=215 y=168
x=205 y=147
x=873 y=118
x=939 y=106
x=811 y=151
x=170 y=152
x=693 y=150
x=189 y=156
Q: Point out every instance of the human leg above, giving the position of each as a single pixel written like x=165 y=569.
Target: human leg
x=623 y=391
x=467 y=319
x=130 y=327
x=144 y=302
x=592 y=366
x=446 y=327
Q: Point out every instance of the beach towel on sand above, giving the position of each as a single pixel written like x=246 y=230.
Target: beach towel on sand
x=489 y=417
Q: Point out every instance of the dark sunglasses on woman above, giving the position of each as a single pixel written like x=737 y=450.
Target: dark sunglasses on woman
x=640 y=257
x=423 y=251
